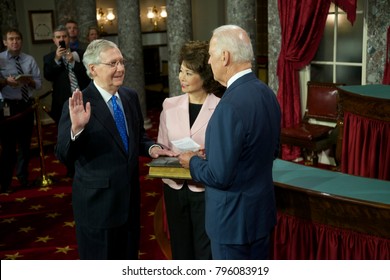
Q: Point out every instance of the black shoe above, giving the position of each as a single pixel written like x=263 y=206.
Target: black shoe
x=70 y=172
x=23 y=182
x=7 y=191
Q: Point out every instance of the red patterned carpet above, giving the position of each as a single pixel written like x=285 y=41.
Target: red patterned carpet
x=37 y=223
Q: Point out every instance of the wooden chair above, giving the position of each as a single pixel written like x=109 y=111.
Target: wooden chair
x=313 y=137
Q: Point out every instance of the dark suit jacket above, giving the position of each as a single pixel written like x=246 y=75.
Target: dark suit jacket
x=106 y=182
x=58 y=75
x=242 y=140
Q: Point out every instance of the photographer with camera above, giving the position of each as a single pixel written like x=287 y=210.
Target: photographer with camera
x=64 y=68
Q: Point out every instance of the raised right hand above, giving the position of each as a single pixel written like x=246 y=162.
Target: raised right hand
x=79 y=116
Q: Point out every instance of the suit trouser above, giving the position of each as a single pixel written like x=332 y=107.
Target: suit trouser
x=119 y=243
x=257 y=250
x=186 y=221
x=15 y=140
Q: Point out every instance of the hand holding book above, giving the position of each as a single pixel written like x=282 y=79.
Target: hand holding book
x=168 y=167
x=23 y=78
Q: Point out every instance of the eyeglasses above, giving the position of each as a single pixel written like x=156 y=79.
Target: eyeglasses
x=114 y=64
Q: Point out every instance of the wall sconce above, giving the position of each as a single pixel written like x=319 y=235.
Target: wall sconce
x=103 y=17
x=155 y=16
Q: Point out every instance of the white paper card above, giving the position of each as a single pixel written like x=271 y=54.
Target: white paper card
x=186 y=144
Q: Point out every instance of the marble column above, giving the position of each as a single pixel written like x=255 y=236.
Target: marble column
x=243 y=14
x=274 y=44
x=86 y=17
x=81 y=11
x=179 y=31
x=65 y=10
x=130 y=43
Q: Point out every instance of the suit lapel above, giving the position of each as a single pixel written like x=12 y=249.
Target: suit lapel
x=204 y=115
x=103 y=115
x=182 y=115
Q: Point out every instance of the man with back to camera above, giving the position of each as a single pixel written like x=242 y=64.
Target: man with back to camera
x=242 y=141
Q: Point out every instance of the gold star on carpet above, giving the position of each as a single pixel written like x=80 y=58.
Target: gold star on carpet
x=64 y=250
x=26 y=229
x=37 y=169
x=59 y=195
x=53 y=215
x=5 y=194
x=148 y=178
x=69 y=224
x=13 y=257
x=151 y=213
x=44 y=189
x=9 y=220
x=152 y=194
x=152 y=237
x=36 y=207
x=43 y=239
x=56 y=161
x=67 y=179
x=140 y=254
x=20 y=199
x=52 y=174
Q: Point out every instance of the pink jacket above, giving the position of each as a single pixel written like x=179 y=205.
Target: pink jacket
x=175 y=124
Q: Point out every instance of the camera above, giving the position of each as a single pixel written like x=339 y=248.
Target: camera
x=62 y=44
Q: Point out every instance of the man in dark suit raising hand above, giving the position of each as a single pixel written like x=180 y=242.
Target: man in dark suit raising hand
x=101 y=131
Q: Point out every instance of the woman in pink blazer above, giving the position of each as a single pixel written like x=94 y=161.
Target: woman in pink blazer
x=187 y=115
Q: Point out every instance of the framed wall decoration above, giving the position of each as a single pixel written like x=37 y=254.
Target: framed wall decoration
x=41 y=26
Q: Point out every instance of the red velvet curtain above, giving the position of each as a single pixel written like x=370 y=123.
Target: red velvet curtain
x=366 y=147
x=302 y=26
x=348 y=6
x=298 y=239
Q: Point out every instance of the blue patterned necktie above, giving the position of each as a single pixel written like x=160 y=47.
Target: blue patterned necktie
x=24 y=88
x=120 y=122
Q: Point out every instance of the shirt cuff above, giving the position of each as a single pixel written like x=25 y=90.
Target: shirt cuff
x=151 y=147
x=74 y=137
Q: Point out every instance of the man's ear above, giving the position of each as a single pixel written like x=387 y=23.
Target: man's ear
x=92 y=69
x=225 y=58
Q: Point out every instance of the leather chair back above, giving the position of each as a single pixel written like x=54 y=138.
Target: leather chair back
x=322 y=101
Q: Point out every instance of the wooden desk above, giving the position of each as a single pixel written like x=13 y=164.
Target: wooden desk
x=364 y=138
x=329 y=215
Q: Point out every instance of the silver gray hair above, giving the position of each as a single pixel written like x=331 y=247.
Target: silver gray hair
x=236 y=41
x=92 y=53
x=60 y=28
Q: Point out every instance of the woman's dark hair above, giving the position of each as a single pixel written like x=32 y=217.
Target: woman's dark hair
x=195 y=56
